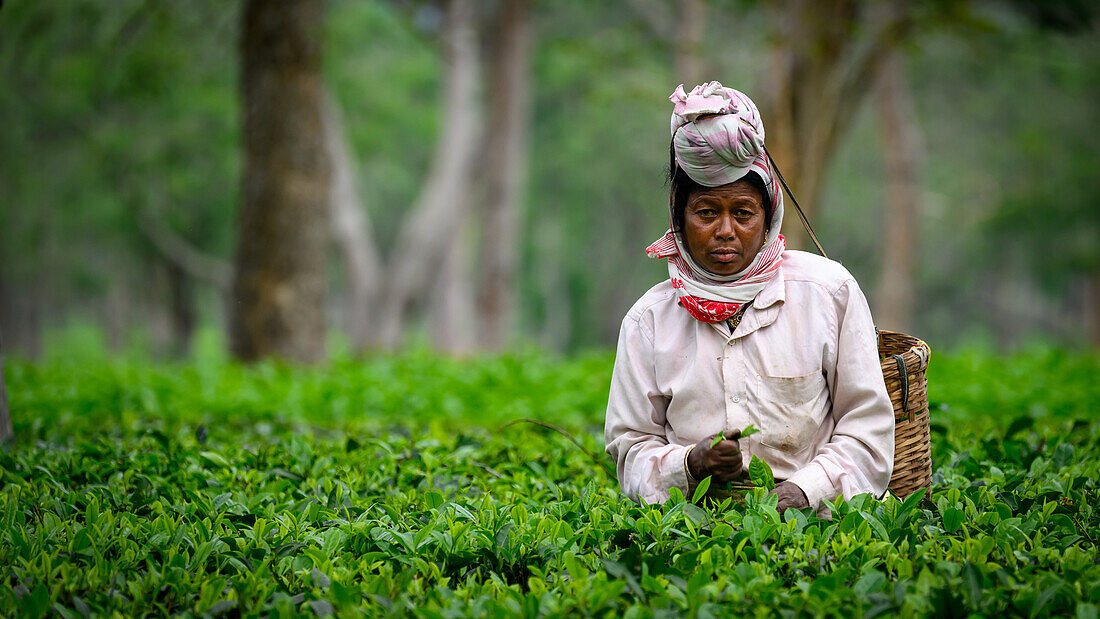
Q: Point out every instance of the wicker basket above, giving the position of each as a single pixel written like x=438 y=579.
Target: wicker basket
x=903 y=366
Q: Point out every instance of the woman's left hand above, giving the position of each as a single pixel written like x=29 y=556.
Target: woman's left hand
x=790 y=495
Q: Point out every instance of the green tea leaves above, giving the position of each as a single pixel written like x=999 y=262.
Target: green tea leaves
x=279 y=513
x=214 y=458
x=952 y=519
x=761 y=474
x=701 y=489
x=748 y=431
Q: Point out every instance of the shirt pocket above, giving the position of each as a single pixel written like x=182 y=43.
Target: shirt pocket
x=789 y=411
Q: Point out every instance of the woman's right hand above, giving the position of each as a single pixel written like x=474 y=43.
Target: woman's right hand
x=722 y=462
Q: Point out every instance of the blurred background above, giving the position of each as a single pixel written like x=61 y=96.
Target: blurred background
x=294 y=178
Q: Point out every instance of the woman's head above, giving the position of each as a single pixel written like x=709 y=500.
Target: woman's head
x=725 y=204
x=717 y=154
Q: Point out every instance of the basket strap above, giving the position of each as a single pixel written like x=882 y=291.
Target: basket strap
x=922 y=351
x=801 y=215
x=904 y=374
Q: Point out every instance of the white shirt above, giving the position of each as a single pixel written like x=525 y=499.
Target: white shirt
x=802 y=366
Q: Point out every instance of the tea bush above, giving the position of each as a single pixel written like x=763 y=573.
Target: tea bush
x=393 y=486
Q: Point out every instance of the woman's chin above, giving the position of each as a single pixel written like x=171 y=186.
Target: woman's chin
x=723 y=268
x=723 y=272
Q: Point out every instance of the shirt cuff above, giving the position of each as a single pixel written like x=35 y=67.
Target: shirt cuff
x=679 y=476
x=814 y=483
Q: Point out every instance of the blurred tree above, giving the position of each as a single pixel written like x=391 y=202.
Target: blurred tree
x=184 y=266
x=682 y=29
x=504 y=173
x=433 y=252
x=1051 y=216
x=182 y=255
x=599 y=157
x=690 y=30
x=1047 y=224
x=122 y=165
x=5 y=416
x=900 y=136
x=116 y=111
x=823 y=60
x=426 y=255
x=426 y=242
x=1074 y=241
x=1092 y=308
x=352 y=233
x=279 y=287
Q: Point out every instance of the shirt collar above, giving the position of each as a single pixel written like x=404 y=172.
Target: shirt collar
x=765 y=308
x=774 y=291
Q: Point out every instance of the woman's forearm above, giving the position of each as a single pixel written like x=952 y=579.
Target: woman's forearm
x=634 y=431
x=860 y=454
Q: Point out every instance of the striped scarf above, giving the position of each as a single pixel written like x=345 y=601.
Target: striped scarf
x=718 y=138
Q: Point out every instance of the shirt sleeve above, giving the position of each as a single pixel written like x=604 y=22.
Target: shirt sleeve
x=859 y=457
x=634 y=428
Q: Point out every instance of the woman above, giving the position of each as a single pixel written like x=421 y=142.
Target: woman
x=744 y=332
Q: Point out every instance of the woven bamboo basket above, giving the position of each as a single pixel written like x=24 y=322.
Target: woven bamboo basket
x=905 y=359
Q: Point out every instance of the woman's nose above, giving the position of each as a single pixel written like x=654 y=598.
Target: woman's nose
x=725 y=227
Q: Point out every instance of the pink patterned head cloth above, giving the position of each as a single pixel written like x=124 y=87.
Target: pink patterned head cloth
x=718 y=138
x=716 y=133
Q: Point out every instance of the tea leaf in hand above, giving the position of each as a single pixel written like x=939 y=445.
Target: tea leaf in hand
x=718 y=439
x=749 y=430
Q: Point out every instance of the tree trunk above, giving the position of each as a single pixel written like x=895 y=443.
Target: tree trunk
x=352 y=233
x=896 y=290
x=453 y=321
x=279 y=285
x=6 y=432
x=690 y=27
x=179 y=252
x=425 y=238
x=823 y=58
x=116 y=312
x=1092 y=307
x=21 y=318
x=1004 y=302
x=557 y=305
x=683 y=29
x=181 y=292
x=505 y=174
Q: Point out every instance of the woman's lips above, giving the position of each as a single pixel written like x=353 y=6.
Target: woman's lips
x=724 y=255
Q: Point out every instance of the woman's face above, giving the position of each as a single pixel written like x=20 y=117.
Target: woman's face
x=724 y=227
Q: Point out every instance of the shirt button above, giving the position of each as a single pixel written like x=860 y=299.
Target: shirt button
x=736 y=399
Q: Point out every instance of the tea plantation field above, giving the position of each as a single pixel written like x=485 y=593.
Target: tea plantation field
x=393 y=487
